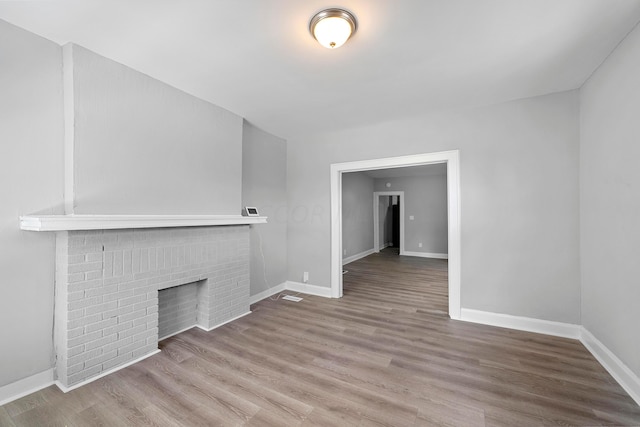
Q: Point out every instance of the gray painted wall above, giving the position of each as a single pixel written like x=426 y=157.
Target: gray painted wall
x=142 y=146
x=31 y=180
x=425 y=198
x=519 y=183
x=609 y=202
x=357 y=213
x=264 y=185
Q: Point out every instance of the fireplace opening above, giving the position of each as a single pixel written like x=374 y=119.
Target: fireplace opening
x=178 y=308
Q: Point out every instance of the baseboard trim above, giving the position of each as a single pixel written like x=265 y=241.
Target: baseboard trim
x=306 y=288
x=177 y=332
x=223 y=323
x=267 y=293
x=386 y=245
x=548 y=327
x=66 y=389
x=25 y=386
x=627 y=379
x=356 y=257
x=425 y=254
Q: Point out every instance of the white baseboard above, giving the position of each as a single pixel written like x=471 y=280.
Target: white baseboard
x=66 y=389
x=548 y=327
x=25 y=386
x=266 y=294
x=221 y=324
x=616 y=367
x=425 y=254
x=356 y=257
x=306 y=288
x=386 y=245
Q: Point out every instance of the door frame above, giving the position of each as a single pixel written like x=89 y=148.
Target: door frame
x=452 y=159
x=376 y=218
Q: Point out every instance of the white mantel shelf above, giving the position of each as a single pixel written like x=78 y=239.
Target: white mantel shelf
x=110 y=222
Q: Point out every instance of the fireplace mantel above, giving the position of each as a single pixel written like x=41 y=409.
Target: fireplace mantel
x=111 y=222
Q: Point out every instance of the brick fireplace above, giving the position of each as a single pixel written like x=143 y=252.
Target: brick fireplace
x=109 y=271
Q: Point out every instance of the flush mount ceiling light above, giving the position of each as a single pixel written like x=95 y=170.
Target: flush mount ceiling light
x=333 y=27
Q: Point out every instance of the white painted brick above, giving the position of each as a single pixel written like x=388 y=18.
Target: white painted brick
x=102 y=290
x=120 y=360
x=128 y=349
x=100 y=359
x=108 y=264
x=91 y=275
x=118 y=327
x=86 y=302
x=81 y=358
x=76 y=259
x=93 y=257
x=119 y=279
x=148 y=348
x=73 y=333
x=118 y=263
x=84 y=267
x=75 y=314
x=75 y=368
x=77 y=277
x=75 y=296
x=131 y=331
x=120 y=311
x=82 y=286
x=131 y=300
x=118 y=344
x=132 y=315
x=83 y=375
x=73 y=351
x=101 y=324
x=84 y=339
x=101 y=343
x=127 y=261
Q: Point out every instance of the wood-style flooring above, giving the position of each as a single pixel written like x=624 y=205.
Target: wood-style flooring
x=384 y=354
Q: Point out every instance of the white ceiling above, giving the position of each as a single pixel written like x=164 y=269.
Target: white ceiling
x=257 y=59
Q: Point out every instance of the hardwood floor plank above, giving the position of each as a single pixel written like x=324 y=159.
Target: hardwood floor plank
x=386 y=354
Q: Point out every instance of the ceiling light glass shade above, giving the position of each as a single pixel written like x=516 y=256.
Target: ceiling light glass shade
x=333 y=27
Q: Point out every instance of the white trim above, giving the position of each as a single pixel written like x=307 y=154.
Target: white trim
x=356 y=257
x=529 y=324
x=25 y=386
x=376 y=216
x=267 y=293
x=306 y=288
x=452 y=159
x=386 y=245
x=426 y=254
x=627 y=379
x=66 y=389
x=177 y=332
x=223 y=323
x=110 y=222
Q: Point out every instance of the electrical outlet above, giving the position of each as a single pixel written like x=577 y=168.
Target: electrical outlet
x=305 y=277
x=344 y=252
x=411 y=217
x=419 y=245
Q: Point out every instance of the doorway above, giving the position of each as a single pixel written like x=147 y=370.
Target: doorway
x=452 y=159
x=380 y=227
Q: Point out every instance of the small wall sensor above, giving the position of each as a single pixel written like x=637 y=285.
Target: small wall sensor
x=388 y=184
x=250 y=211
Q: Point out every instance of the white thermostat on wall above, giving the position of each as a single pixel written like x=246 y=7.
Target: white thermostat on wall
x=251 y=211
